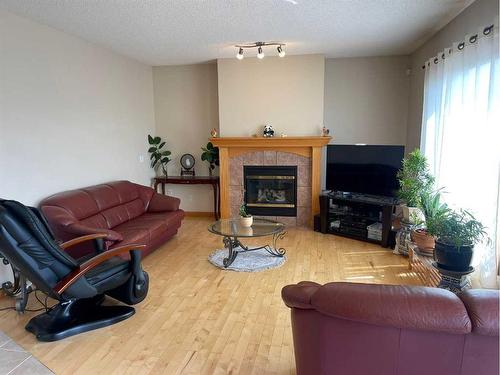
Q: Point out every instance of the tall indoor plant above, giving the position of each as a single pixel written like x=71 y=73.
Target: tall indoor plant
x=456 y=233
x=415 y=179
x=158 y=156
x=211 y=155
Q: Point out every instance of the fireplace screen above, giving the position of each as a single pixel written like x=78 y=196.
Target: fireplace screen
x=271 y=190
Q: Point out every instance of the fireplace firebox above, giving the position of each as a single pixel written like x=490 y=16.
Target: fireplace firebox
x=270 y=190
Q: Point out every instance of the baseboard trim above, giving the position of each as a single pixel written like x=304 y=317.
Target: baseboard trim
x=199 y=214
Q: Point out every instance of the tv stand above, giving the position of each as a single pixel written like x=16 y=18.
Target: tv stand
x=349 y=215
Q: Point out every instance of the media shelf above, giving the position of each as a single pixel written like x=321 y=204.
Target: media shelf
x=351 y=215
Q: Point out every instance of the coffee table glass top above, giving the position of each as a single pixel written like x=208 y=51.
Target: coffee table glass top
x=233 y=228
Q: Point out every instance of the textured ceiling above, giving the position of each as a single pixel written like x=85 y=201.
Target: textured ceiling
x=161 y=32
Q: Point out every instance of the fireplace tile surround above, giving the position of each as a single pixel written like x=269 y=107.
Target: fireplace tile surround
x=257 y=158
x=301 y=151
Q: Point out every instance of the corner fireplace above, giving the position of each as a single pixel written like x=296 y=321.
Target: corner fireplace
x=270 y=190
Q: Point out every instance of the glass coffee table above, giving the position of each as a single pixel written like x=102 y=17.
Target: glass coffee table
x=231 y=231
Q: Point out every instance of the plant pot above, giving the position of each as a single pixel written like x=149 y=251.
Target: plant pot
x=424 y=241
x=246 y=221
x=410 y=213
x=453 y=258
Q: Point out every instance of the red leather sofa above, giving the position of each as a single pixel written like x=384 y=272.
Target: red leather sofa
x=350 y=329
x=127 y=213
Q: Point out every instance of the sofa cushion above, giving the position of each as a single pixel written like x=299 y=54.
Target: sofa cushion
x=78 y=204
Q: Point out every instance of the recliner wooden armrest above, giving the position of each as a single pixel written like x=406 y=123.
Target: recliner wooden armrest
x=77 y=240
x=85 y=267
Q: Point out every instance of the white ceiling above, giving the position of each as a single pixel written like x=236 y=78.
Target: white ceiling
x=165 y=32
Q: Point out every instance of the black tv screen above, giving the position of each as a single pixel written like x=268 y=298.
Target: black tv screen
x=365 y=169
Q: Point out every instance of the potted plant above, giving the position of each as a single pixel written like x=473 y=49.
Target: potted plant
x=433 y=209
x=414 y=180
x=456 y=234
x=158 y=157
x=246 y=220
x=211 y=155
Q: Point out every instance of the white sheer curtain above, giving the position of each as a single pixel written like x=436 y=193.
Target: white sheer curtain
x=461 y=135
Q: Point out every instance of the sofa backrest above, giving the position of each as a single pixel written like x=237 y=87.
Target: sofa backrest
x=101 y=206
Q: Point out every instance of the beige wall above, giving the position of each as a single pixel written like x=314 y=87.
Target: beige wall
x=481 y=13
x=71 y=114
x=366 y=99
x=286 y=92
x=186 y=110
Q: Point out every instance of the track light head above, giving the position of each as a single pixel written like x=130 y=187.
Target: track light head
x=239 y=56
x=260 y=54
x=281 y=51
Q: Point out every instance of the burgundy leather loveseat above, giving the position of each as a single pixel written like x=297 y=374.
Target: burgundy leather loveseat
x=127 y=213
x=354 y=329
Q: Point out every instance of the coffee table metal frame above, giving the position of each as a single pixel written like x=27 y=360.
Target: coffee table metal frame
x=232 y=242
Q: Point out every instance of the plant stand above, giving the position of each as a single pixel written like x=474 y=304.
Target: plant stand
x=421 y=264
x=454 y=281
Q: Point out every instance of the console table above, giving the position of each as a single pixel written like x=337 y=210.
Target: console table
x=193 y=180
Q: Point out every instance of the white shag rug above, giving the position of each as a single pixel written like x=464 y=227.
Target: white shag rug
x=250 y=261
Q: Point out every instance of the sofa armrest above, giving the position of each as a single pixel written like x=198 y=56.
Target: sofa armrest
x=299 y=295
x=483 y=306
x=82 y=230
x=161 y=203
x=396 y=306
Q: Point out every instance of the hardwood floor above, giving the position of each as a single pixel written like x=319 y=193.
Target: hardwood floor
x=198 y=319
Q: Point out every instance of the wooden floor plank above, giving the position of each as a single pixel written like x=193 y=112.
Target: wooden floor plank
x=198 y=319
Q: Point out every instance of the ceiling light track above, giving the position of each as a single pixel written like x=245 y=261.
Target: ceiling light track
x=260 y=52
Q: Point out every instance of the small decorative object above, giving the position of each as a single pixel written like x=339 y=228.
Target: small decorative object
x=213 y=133
x=403 y=238
x=246 y=220
x=187 y=164
x=268 y=131
x=283 y=135
x=211 y=155
x=325 y=131
x=159 y=157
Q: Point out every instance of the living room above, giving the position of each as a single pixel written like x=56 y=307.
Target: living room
x=207 y=193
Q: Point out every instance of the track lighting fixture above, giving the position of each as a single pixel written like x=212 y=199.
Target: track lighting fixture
x=260 y=54
x=260 y=51
x=239 y=56
x=281 y=52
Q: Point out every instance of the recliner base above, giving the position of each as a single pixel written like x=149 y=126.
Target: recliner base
x=77 y=316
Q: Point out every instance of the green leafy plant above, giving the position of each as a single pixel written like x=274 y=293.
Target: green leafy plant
x=433 y=208
x=211 y=155
x=457 y=228
x=243 y=211
x=414 y=178
x=158 y=157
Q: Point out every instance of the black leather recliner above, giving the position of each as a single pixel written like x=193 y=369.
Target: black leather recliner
x=79 y=285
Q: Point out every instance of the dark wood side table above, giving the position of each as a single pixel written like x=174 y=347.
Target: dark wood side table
x=193 y=180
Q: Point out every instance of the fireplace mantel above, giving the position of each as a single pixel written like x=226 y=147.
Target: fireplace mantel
x=305 y=146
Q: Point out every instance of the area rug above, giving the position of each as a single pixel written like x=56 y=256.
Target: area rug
x=251 y=261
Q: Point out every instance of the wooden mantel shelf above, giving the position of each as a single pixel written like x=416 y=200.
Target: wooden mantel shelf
x=306 y=146
x=270 y=142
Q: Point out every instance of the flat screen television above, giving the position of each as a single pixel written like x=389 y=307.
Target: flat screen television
x=364 y=169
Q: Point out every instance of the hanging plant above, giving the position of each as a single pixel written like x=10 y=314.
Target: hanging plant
x=159 y=157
